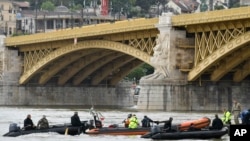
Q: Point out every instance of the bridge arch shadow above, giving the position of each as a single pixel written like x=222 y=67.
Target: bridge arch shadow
x=123 y=56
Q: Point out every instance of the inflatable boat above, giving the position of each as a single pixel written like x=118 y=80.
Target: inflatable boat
x=65 y=129
x=184 y=126
x=201 y=134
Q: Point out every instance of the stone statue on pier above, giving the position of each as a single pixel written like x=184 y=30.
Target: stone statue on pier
x=160 y=58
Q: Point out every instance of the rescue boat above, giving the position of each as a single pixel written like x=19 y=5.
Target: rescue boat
x=65 y=129
x=198 y=124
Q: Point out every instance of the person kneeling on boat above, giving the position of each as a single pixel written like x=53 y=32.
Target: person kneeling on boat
x=75 y=121
x=146 y=121
x=28 y=123
x=43 y=123
x=217 y=123
x=133 y=122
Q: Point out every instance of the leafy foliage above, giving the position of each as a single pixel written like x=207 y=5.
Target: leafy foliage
x=140 y=71
x=48 y=5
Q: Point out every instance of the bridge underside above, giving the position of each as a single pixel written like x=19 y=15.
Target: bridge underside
x=86 y=62
x=86 y=67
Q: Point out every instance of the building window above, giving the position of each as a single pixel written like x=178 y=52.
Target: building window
x=10 y=31
x=10 y=9
x=50 y=24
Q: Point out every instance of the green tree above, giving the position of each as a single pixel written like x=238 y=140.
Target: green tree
x=218 y=7
x=145 y=5
x=122 y=6
x=48 y=5
x=140 y=71
x=203 y=6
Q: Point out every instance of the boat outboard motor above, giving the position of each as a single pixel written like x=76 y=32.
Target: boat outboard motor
x=13 y=127
x=155 y=129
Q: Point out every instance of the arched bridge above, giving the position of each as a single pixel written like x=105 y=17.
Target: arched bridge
x=106 y=53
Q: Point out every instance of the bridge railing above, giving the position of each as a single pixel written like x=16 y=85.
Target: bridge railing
x=85 y=31
x=211 y=16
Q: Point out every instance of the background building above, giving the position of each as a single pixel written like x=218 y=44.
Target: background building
x=8 y=12
x=18 y=18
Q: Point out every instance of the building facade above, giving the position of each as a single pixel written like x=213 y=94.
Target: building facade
x=8 y=11
x=18 y=18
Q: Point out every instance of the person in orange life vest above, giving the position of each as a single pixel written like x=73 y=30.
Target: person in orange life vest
x=126 y=121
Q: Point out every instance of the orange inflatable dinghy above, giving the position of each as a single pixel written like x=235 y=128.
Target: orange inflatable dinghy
x=199 y=123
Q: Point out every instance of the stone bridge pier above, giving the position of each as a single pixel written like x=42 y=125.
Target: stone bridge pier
x=168 y=89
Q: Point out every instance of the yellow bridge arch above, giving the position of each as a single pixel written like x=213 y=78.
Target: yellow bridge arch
x=136 y=57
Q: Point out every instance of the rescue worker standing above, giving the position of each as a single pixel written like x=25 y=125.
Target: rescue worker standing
x=43 y=123
x=133 y=122
x=226 y=117
x=236 y=109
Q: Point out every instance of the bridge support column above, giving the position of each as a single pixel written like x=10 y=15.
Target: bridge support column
x=158 y=88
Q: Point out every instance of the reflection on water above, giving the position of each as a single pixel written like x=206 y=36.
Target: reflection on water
x=62 y=115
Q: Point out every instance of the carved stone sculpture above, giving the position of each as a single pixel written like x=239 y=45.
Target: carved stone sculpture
x=160 y=58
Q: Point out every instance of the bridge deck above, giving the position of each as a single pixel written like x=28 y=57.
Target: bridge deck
x=85 y=31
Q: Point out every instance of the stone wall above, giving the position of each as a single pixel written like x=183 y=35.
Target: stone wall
x=173 y=95
x=66 y=96
x=12 y=93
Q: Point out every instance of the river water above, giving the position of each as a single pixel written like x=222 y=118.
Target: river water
x=62 y=115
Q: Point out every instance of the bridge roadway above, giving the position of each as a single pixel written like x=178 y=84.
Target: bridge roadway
x=106 y=53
